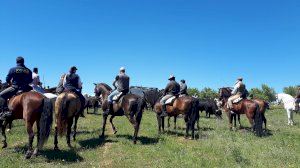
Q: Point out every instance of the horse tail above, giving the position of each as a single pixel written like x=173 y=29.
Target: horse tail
x=62 y=114
x=45 y=122
x=140 y=108
x=258 y=121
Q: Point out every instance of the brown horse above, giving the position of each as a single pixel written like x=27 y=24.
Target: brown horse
x=67 y=107
x=248 y=107
x=130 y=105
x=32 y=107
x=187 y=106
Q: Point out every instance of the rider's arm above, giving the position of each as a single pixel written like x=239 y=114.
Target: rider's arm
x=65 y=81
x=114 y=83
x=9 y=76
x=235 y=88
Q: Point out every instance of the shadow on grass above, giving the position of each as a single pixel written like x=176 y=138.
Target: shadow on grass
x=65 y=156
x=94 y=142
x=265 y=133
x=86 y=132
x=144 y=140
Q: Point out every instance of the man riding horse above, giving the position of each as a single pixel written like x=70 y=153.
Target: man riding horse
x=297 y=99
x=183 y=88
x=19 y=77
x=121 y=84
x=237 y=92
x=36 y=83
x=172 y=89
x=73 y=83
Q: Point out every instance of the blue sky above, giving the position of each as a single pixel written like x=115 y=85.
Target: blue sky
x=207 y=42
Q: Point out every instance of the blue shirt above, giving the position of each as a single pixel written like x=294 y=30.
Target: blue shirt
x=19 y=76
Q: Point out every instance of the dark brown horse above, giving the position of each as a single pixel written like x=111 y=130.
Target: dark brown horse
x=248 y=107
x=32 y=107
x=187 y=106
x=130 y=105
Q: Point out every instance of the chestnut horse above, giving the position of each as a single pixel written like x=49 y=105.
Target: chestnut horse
x=130 y=105
x=32 y=107
x=187 y=106
x=245 y=106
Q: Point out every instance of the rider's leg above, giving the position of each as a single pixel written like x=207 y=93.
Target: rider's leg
x=297 y=104
x=4 y=95
x=82 y=102
x=164 y=106
x=110 y=102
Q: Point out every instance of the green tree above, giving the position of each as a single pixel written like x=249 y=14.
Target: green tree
x=265 y=93
x=291 y=90
x=208 y=93
x=193 y=92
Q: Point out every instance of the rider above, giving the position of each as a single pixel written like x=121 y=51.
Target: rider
x=36 y=83
x=237 y=92
x=183 y=88
x=172 y=89
x=73 y=83
x=19 y=77
x=121 y=84
x=297 y=99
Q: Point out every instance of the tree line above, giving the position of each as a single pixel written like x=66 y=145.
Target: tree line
x=264 y=92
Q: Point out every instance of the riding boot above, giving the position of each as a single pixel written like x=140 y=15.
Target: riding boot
x=164 y=111
x=109 y=109
x=4 y=111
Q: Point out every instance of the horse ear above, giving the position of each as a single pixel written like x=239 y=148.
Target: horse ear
x=95 y=84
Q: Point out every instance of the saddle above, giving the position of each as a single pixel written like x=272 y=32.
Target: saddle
x=237 y=100
x=171 y=100
x=118 y=97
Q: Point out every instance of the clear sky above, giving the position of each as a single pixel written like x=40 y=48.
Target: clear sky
x=207 y=42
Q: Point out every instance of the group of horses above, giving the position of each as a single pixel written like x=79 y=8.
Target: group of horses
x=34 y=107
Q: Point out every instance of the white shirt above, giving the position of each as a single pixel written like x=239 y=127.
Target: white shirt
x=35 y=79
x=236 y=87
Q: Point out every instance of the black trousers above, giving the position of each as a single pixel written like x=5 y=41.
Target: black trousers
x=7 y=93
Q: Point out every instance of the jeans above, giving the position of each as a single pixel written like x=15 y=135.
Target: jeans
x=165 y=98
x=111 y=96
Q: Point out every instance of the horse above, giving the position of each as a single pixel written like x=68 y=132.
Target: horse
x=130 y=105
x=185 y=105
x=32 y=107
x=210 y=107
x=92 y=102
x=289 y=105
x=245 y=106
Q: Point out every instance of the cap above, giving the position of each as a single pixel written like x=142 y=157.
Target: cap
x=122 y=69
x=171 y=77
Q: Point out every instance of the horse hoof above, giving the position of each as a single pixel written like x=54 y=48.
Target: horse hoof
x=74 y=138
x=8 y=130
x=4 y=145
x=134 y=142
x=28 y=155
x=35 y=153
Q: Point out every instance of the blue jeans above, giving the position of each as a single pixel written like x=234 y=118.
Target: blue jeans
x=111 y=96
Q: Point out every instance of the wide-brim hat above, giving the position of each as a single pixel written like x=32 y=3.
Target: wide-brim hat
x=171 y=77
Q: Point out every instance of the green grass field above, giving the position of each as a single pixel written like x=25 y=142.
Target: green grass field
x=217 y=146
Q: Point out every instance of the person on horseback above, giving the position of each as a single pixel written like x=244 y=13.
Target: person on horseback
x=183 y=88
x=297 y=101
x=19 y=77
x=237 y=92
x=172 y=89
x=73 y=83
x=36 y=83
x=121 y=84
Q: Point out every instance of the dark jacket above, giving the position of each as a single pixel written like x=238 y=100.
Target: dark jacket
x=122 y=82
x=20 y=76
x=183 y=88
x=71 y=82
x=172 y=88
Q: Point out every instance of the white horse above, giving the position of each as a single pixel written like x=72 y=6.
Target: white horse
x=289 y=105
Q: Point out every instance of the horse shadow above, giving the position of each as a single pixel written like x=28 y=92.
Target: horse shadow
x=94 y=142
x=265 y=132
x=144 y=140
x=66 y=156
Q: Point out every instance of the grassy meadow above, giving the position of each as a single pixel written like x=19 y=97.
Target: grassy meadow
x=216 y=147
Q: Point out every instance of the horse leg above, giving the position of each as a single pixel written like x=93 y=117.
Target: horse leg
x=169 y=122
x=103 y=126
x=239 y=119
x=233 y=117
x=264 y=120
x=75 y=127
x=158 y=123
x=29 y=126
x=137 y=126
x=112 y=124
x=9 y=125
x=163 y=123
x=175 y=120
x=230 y=120
x=36 y=151
x=3 y=127
x=292 y=118
x=187 y=127
x=289 y=116
x=69 y=130
x=56 y=139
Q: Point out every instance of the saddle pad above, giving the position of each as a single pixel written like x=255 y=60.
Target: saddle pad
x=237 y=100
x=117 y=97
x=50 y=95
x=171 y=100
